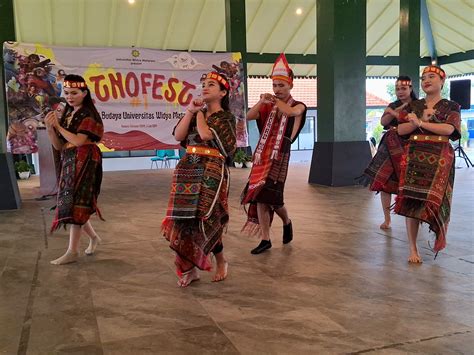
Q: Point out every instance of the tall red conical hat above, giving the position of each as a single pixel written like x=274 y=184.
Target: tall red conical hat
x=281 y=70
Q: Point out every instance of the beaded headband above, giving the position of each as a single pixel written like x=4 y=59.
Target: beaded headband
x=217 y=77
x=75 y=84
x=434 y=69
x=404 y=82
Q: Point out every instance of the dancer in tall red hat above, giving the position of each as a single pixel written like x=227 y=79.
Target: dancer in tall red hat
x=280 y=119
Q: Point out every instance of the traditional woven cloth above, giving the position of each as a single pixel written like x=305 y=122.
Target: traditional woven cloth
x=427 y=175
x=198 y=205
x=384 y=169
x=81 y=173
x=267 y=178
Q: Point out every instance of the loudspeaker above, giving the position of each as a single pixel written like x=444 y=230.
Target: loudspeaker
x=460 y=92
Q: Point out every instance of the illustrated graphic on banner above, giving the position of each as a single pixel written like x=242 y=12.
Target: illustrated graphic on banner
x=140 y=93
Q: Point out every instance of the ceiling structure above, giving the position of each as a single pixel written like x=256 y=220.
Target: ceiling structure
x=273 y=26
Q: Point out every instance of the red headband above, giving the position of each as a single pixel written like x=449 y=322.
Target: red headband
x=75 y=84
x=434 y=69
x=404 y=82
x=217 y=77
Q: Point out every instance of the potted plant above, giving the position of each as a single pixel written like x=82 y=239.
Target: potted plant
x=240 y=158
x=23 y=169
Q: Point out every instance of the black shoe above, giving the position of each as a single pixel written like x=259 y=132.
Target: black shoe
x=287 y=233
x=264 y=245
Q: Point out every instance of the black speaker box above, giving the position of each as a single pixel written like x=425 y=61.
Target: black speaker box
x=460 y=92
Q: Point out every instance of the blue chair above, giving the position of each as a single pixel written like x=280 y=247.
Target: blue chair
x=170 y=154
x=160 y=156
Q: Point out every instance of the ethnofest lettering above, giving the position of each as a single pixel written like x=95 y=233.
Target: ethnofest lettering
x=139 y=93
x=131 y=85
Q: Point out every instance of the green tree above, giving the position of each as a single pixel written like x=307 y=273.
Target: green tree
x=377 y=132
x=391 y=92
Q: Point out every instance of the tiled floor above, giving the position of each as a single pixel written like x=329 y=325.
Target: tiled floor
x=341 y=286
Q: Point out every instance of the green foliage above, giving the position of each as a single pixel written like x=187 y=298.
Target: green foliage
x=391 y=92
x=241 y=157
x=377 y=133
x=22 y=166
x=464 y=132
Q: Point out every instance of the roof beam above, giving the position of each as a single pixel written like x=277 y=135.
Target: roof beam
x=141 y=24
x=254 y=16
x=383 y=35
x=49 y=21
x=81 y=18
x=446 y=9
x=299 y=27
x=16 y=20
x=112 y=17
x=198 y=23
x=425 y=22
x=454 y=44
x=170 y=23
x=443 y=23
x=456 y=57
x=219 y=35
x=308 y=73
x=275 y=26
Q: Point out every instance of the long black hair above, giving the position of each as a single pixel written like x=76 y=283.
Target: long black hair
x=87 y=102
x=407 y=78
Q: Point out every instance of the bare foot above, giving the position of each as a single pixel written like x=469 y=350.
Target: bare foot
x=93 y=243
x=415 y=258
x=188 y=277
x=385 y=225
x=221 y=272
x=69 y=257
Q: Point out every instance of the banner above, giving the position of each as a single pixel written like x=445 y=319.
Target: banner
x=140 y=93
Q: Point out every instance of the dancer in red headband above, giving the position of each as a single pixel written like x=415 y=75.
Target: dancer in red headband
x=279 y=119
x=427 y=168
x=384 y=169
x=76 y=134
x=198 y=205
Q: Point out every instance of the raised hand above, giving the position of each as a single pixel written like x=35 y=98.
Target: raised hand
x=267 y=98
x=195 y=105
x=51 y=120
x=427 y=113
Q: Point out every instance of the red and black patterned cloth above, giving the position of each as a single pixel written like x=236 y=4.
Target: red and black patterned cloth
x=80 y=172
x=267 y=179
x=384 y=169
x=427 y=174
x=198 y=205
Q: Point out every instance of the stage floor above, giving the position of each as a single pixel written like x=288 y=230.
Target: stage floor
x=343 y=285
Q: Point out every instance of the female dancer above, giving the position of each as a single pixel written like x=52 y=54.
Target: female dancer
x=198 y=210
x=427 y=169
x=384 y=169
x=75 y=135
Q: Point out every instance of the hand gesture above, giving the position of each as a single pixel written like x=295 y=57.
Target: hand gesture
x=51 y=120
x=399 y=108
x=427 y=113
x=267 y=99
x=413 y=119
x=195 y=105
